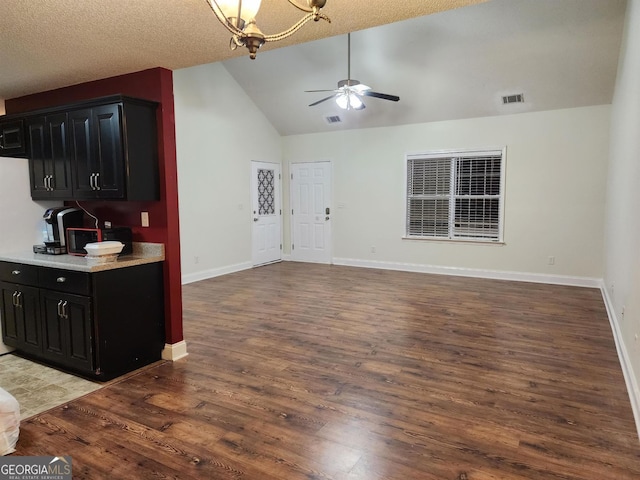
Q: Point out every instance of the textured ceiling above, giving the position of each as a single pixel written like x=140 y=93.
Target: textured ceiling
x=446 y=59
x=55 y=43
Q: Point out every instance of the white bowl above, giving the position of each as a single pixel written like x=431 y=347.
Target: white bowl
x=97 y=249
x=101 y=259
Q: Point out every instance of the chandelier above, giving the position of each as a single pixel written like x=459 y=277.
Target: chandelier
x=239 y=17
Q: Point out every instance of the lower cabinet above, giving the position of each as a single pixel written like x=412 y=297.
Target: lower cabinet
x=100 y=324
x=66 y=329
x=20 y=317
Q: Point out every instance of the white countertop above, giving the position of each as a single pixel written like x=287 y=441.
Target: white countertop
x=142 y=253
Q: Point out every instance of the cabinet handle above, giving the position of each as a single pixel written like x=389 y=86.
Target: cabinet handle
x=61 y=279
x=91 y=177
x=64 y=310
x=19 y=299
x=15 y=272
x=50 y=183
x=2 y=142
x=60 y=308
x=97 y=181
x=14 y=301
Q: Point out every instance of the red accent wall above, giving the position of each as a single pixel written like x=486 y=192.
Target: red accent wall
x=155 y=84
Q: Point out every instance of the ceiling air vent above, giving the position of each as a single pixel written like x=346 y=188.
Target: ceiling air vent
x=331 y=119
x=516 y=98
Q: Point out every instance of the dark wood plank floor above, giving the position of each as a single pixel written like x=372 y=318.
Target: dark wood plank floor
x=301 y=371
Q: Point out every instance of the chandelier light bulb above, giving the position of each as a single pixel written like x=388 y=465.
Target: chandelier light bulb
x=248 y=11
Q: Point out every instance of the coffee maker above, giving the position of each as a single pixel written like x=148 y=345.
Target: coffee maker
x=56 y=222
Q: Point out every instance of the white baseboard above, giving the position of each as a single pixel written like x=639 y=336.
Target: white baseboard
x=623 y=356
x=174 y=351
x=470 y=272
x=215 y=272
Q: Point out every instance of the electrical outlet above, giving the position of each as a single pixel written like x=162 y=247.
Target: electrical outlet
x=144 y=219
x=373 y=249
x=551 y=260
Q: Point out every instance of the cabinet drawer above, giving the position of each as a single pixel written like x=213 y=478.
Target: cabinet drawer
x=19 y=273
x=65 y=281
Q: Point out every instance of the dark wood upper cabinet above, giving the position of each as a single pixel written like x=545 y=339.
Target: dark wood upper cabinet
x=12 y=139
x=49 y=160
x=106 y=148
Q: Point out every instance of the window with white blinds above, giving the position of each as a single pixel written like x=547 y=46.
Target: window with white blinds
x=455 y=195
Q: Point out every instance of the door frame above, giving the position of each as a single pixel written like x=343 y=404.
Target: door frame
x=290 y=205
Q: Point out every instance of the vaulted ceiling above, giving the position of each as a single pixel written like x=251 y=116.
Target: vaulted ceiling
x=446 y=59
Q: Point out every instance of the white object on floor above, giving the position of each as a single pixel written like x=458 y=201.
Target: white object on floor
x=9 y=422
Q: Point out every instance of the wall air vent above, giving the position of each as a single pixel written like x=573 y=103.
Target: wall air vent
x=516 y=98
x=331 y=119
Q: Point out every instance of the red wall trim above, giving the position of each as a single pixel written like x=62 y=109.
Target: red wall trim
x=154 y=84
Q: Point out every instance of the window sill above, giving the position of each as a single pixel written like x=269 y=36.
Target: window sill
x=456 y=240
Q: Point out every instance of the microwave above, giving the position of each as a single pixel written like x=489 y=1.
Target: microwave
x=77 y=238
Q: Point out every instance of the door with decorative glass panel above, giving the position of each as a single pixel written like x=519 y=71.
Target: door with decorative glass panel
x=266 y=213
x=311 y=212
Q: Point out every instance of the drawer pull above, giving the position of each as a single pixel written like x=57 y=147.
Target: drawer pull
x=61 y=279
x=15 y=272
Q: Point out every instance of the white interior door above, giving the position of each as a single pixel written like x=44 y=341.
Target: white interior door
x=266 y=212
x=311 y=212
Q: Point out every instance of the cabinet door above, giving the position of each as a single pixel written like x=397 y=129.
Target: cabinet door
x=84 y=165
x=109 y=151
x=96 y=151
x=67 y=330
x=12 y=138
x=20 y=317
x=60 y=158
x=49 y=160
x=39 y=164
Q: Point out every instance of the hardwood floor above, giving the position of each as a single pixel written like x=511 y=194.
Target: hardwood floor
x=300 y=371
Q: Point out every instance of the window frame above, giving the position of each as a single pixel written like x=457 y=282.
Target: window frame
x=452 y=154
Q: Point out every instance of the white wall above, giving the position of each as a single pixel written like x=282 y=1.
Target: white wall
x=555 y=189
x=622 y=232
x=20 y=217
x=219 y=131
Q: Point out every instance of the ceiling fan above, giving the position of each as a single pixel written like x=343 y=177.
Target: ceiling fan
x=349 y=93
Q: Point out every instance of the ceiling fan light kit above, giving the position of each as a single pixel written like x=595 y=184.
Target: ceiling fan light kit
x=349 y=93
x=239 y=18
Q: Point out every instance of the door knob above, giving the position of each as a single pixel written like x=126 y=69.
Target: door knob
x=326 y=218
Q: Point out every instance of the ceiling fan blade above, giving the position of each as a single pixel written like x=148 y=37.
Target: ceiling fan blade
x=384 y=96
x=323 y=100
x=313 y=91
